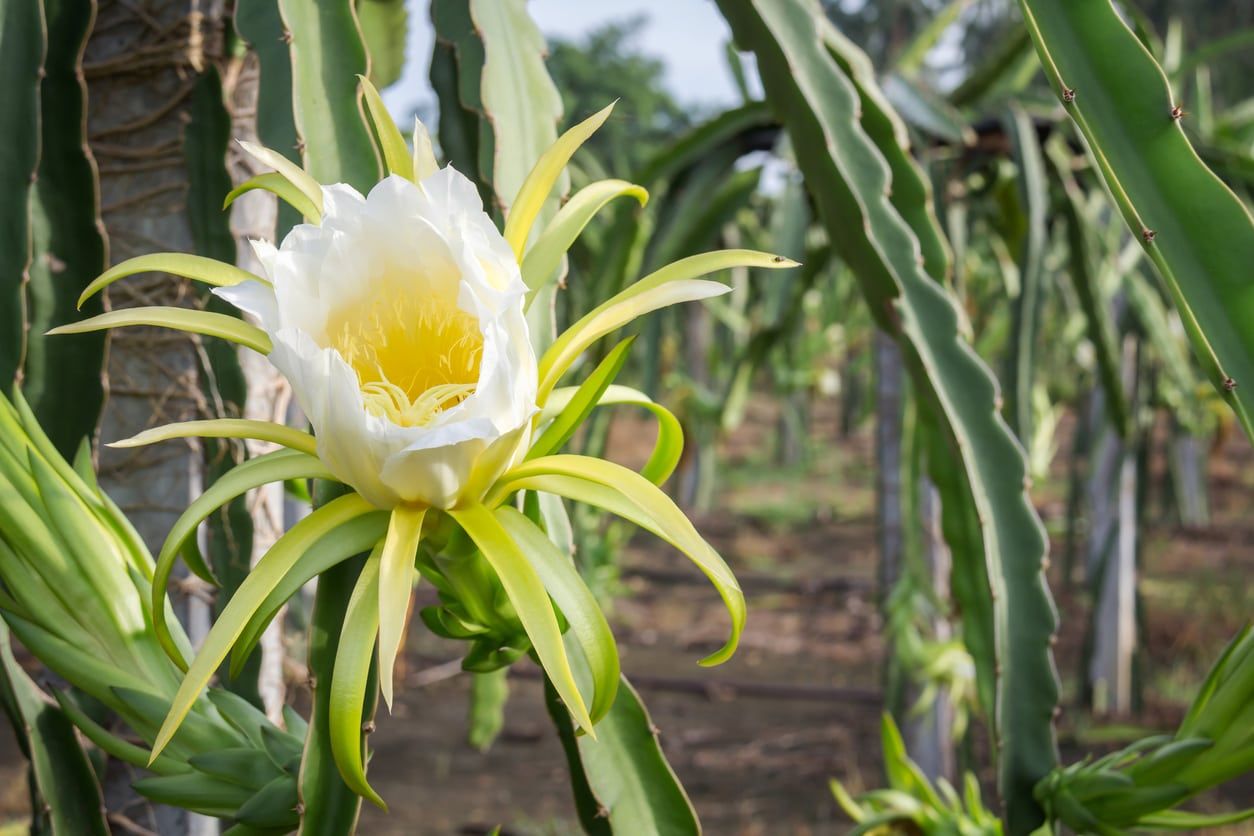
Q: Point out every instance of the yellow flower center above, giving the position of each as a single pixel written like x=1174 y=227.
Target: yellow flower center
x=415 y=354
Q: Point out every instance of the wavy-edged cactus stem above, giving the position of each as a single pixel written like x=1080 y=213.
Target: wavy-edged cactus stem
x=62 y=376
x=1197 y=233
x=22 y=45
x=850 y=181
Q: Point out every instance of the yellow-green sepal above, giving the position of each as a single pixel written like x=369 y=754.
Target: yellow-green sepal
x=390 y=142
x=195 y=267
x=629 y=495
x=530 y=599
x=351 y=676
x=544 y=257
x=396 y=582
x=281 y=557
x=282 y=188
x=209 y=324
x=539 y=183
x=279 y=434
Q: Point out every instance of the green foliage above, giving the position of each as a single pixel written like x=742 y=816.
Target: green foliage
x=64 y=786
x=76 y=582
x=1193 y=228
x=911 y=803
x=849 y=179
x=1142 y=785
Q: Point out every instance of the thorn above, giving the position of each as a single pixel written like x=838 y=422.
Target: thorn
x=1044 y=564
x=1057 y=712
x=1177 y=112
x=654 y=730
x=367 y=727
x=1147 y=234
x=1230 y=385
x=300 y=808
x=286 y=36
x=312 y=682
x=1068 y=95
x=1053 y=639
x=1027 y=482
x=603 y=812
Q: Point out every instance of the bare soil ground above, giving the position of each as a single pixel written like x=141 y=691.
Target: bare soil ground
x=756 y=740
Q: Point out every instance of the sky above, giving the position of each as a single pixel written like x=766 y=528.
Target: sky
x=687 y=35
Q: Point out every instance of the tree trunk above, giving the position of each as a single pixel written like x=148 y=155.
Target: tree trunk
x=140 y=64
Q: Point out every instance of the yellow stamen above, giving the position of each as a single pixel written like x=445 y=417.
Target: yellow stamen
x=415 y=354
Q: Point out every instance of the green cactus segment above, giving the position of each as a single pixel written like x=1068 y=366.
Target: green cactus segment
x=384 y=25
x=850 y=182
x=1032 y=234
x=259 y=23
x=912 y=191
x=62 y=377
x=62 y=774
x=327 y=55
x=621 y=781
x=22 y=41
x=1195 y=230
x=1099 y=322
x=501 y=79
x=912 y=198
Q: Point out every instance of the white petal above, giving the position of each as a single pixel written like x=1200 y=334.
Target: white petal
x=254 y=298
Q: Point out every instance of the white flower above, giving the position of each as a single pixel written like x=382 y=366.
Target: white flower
x=399 y=323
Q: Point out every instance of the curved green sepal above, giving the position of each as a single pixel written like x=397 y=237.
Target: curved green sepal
x=527 y=593
x=209 y=324
x=196 y=267
x=282 y=188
